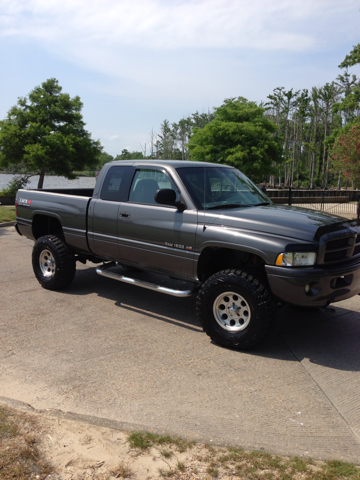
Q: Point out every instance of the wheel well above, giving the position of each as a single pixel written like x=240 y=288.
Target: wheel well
x=213 y=260
x=46 y=225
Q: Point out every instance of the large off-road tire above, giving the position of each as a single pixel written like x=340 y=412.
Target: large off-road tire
x=53 y=263
x=235 y=309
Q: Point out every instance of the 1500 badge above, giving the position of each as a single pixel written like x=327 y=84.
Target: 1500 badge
x=181 y=247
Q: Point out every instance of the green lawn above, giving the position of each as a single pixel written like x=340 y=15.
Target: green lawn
x=7 y=214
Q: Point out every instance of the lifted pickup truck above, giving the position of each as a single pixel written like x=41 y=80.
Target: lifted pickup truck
x=203 y=223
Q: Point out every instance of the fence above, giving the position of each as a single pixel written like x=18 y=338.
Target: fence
x=338 y=202
x=7 y=200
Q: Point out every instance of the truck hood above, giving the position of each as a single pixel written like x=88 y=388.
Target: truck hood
x=300 y=223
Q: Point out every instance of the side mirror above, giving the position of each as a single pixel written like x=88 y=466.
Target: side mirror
x=167 y=196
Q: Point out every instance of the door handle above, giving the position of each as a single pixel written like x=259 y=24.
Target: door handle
x=124 y=214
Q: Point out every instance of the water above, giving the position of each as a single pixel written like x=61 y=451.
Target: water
x=50 y=181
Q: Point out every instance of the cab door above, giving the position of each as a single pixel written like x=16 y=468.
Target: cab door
x=103 y=213
x=156 y=236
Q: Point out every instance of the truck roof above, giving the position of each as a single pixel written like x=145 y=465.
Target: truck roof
x=171 y=163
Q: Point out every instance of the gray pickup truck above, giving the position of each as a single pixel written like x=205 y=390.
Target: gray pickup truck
x=202 y=223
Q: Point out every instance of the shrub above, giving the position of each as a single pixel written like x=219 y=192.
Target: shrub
x=14 y=185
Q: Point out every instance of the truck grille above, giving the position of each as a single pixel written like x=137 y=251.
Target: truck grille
x=342 y=248
x=357 y=245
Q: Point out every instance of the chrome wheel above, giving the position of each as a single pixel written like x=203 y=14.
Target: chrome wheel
x=53 y=262
x=47 y=263
x=232 y=312
x=235 y=309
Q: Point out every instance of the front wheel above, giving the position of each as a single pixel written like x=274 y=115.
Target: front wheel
x=53 y=263
x=235 y=309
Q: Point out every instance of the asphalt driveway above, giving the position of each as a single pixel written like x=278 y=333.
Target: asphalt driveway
x=125 y=354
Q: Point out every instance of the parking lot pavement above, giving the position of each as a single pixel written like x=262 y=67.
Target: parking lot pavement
x=126 y=354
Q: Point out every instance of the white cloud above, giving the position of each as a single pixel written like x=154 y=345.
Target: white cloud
x=142 y=43
x=174 y=55
x=129 y=39
x=170 y=25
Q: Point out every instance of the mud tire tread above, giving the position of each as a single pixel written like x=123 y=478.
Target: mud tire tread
x=264 y=309
x=64 y=258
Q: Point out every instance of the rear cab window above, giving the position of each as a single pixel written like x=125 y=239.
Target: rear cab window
x=116 y=184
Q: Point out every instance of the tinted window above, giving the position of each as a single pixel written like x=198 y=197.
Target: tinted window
x=113 y=188
x=146 y=183
x=212 y=187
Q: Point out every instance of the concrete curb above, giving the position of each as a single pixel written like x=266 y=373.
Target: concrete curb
x=134 y=427
x=99 y=421
x=7 y=224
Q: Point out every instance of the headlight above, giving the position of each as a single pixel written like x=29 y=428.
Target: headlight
x=296 y=259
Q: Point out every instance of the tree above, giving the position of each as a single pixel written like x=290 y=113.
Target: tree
x=239 y=135
x=347 y=106
x=104 y=158
x=274 y=111
x=126 y=155
x=20 y=181
x=312 y=144
x=166 y=142
x=346 y=152
x=153 y=144
x=45 y=131
x=353 y=58
x=184 y=132
x=327 y=94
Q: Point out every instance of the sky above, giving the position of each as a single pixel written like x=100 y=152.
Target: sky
x=135 y=63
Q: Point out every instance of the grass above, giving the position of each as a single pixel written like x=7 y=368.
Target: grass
x=261 y=465
x=20 y=458
x=146 y=440
x=7 y=214
x=121 y=471
x=217 y=462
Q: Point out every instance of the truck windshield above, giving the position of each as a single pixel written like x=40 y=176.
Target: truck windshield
x=220 y=187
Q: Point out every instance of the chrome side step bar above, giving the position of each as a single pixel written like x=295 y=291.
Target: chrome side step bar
x=140 y=283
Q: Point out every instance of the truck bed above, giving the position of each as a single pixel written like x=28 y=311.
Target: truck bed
x=78 y=192
x=64 y=208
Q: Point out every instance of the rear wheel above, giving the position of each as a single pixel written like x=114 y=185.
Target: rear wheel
x=53 y=263
x=235 y=309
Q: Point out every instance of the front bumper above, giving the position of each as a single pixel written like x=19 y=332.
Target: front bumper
x=326 y=285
